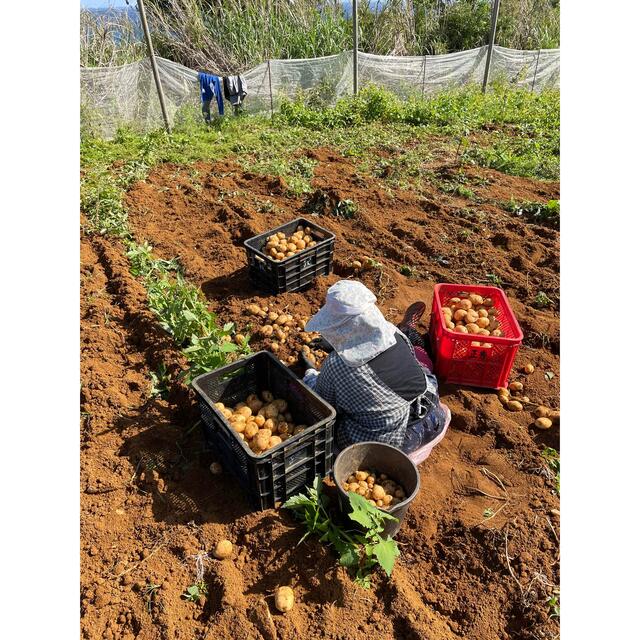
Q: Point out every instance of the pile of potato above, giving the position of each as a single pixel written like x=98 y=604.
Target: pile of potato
x=513 y=398
x=471 y=313
x=261 y=422
x=282 y=328
x=380 y=490
x=279 y=246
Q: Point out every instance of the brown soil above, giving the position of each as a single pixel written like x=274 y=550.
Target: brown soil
x=149 y=502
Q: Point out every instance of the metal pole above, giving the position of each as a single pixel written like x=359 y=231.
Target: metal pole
x=492 y=38
x=154 y=67
x=270 y=89
x=535 y=73
x=354 y=12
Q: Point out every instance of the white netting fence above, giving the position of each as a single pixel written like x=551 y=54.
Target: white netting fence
x=113 y=96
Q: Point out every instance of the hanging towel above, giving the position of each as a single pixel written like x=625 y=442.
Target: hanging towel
x=235 y=89
x=210 y=88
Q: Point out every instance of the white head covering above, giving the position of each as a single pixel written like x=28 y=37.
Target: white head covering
x=352 y=324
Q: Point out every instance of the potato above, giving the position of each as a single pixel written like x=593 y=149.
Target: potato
x=471 y=316
x=280 y=255
x=267 y=396
x=484 y=332
x=465 y=304
x=514 y=405
x=246 y=411
x=269 y=424
x=266 y=331
x=363 y=484
x=285 y=427
x=483 y=313
x=280 y=404
x=459 y=314
x=528 y=368
x=250 y=430
x=284 y=599
x=223 y=550
x=300 y=244
x=361 y=491
x=307 y=238
x=281 y=235
x=400 y=494
x=473 y=328
x=254 y=310
x=476 y=299
x=361 y=475
x=386 y=499
x=227 y=413
x=461 y=329
x=451 y=326
x=299 y=429
x=516 y=386
x=542 y=412
x=261 y=442
x=274 y=440
x=264 y=433
x=219 y=405
x=454 y=301
x=554 y=416
x=353 y=486
x=483 y=323
x=497 y=333
x=543 y=423
x=525 y=400
x=377 y=492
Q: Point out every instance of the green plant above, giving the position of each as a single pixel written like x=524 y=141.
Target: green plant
x=193 y=592
x=407 y=270
x=150 y=593
x=494 y=279
x=488 y=513
x=537 y=212
x=552 y=459
x=346 y=209
x=359 y=550
x=554 y=606
x=542 y=300
x=160 y=381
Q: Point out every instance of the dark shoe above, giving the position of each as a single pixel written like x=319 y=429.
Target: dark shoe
x=413 y=314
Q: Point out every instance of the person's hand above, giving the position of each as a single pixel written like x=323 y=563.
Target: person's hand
x=305 y=361
x=322 y=344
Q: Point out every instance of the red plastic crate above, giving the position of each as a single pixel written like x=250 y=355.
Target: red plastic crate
x=456 y=361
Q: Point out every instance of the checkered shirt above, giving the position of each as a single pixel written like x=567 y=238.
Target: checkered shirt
x=366 y=408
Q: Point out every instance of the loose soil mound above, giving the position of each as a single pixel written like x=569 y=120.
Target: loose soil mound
x=479 y=546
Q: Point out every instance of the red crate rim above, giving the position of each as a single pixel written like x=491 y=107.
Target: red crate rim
x=484 y=291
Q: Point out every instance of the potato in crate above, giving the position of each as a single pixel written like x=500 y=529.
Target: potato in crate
x=290 y=257
x=272 y=432
x=474 y=335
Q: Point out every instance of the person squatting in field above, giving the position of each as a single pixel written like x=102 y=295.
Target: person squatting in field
x=377 y=376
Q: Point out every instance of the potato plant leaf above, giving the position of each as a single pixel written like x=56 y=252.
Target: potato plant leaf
x=386 y=551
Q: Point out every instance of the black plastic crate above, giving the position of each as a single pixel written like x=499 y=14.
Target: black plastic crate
x=296 y=272
x=284 y=470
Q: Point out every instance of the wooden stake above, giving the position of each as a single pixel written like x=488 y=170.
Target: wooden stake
x=154 y=67
x=492 y=38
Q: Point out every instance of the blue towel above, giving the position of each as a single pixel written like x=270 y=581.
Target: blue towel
x=209 y=88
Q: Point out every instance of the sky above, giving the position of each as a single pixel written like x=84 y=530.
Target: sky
x=103 y=4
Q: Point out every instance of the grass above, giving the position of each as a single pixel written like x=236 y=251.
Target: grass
x=244 y=34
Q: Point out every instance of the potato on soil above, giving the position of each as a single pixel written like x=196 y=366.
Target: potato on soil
x=554 y=416
x=516 y=386
x=528 y=368
x=284 y=598
x=514 y=405
x=543 y=423
x=223 y=549
x=542 y=412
